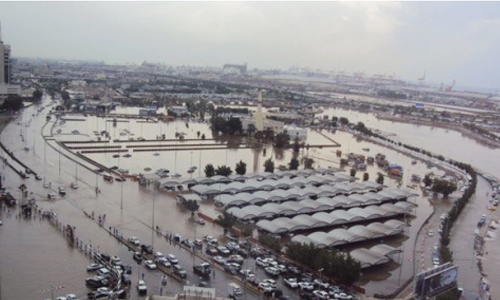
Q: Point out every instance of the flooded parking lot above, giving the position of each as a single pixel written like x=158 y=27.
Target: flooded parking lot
x=136 y=217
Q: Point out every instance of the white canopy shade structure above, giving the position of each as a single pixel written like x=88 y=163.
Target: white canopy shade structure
x=340 y=236
x=369 y=258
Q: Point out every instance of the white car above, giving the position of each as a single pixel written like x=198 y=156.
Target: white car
x=272 y=282
x=158 y=255
x=150 y=264
x=265 y=286
x=163 y=261
x=291 y=282
x=223 y=250
x=321 y=283
x=141 y=287
x=321 y=294
x=71 y=297
x=219 y=259
x=172 y=259
x=134 y=241
x=263 y=262
x=272 y=271
x=344 y=296
x=306 y=286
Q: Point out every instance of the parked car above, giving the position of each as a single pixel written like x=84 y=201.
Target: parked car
x=134 y=241
x=321 y=294
x=147 y=248
x=163 y=261
x=263 y=262
x=115 y=260
x=180 y=271
x=150 y=264
x=272 y=271
x=94 y=267
x=223 y=251
x=236 y=258
x=100 y=293
x=291 y=282
x=320 y=283
x=96 y=282
x=172 y=259
x=219 y=259
x=306 y=286
x=264 y=286
x=272 y=282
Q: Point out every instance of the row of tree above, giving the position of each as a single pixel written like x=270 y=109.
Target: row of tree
x=337 y=265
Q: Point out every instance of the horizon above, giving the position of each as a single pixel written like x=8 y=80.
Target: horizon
x=404 y=39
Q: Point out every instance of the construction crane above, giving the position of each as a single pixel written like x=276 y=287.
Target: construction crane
x=422 y=79
x=450 y=88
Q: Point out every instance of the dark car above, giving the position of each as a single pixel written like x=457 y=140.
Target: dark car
x=294 y=270
x=147 y=248
x=212 y=251
x=243 y=252
x=96 y=282
x=274 y=293
x=106 y=257
x=307 y=296
x=138 y=257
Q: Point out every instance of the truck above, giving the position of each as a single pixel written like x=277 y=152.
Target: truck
x=234 y=291
x=204 y=269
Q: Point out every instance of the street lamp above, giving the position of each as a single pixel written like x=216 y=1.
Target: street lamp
x=320 y=273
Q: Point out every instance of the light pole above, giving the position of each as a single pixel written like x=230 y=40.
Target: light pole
x=153 y=219
x=59 y=158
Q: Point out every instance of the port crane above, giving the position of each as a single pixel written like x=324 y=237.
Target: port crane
x=450 y=88
x=422 y=79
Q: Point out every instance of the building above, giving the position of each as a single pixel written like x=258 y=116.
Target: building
x=5 y=64
x=178 y=110
x=6 y=89
x=294 y=132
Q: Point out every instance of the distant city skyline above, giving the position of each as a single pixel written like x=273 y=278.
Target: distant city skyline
x=451 y=40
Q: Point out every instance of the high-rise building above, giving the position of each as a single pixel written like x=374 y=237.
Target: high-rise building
x=6 y=89
x=5 y=65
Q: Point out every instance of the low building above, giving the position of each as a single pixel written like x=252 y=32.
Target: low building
x=275 y=126
x=178 y=110
x=7 y=90
x=294 y=132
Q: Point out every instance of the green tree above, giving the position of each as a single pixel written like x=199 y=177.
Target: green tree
x=226 y=220
x=296 y=145
x=427 y=180
x=281 y=140
x=294 y=164
x=223 y=171
x=353 y=172
x=233 y=126
x=209 y=170
x=335 y=121
x=269 y=166
x=191 y=205
x=308 y=163
x=13 y=103
x=203 y=136
x=344 y=121
x=247 y=231
x=65 y=95
x=37 y=94
x=444 y=187
x=380 y=179
x=366 y=176
x=271 y=242
x=241 y=168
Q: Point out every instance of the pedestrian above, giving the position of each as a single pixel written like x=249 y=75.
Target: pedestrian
x=142 y=276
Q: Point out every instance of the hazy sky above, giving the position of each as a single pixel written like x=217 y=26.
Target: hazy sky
x=451 y=40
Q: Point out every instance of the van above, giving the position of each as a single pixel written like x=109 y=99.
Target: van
x=103 y=272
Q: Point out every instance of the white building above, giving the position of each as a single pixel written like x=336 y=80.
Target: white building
x=7 y=90
x=275 y=126
x=178 y=110
x=294 y=131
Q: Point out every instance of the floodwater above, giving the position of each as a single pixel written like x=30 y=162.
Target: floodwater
x=131 y=208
